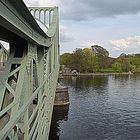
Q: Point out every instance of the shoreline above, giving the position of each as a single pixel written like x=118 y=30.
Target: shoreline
x=98 y=74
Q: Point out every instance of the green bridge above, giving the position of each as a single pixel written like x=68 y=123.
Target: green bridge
x=27 y=90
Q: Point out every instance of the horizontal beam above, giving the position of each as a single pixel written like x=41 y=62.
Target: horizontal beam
x=15 y=16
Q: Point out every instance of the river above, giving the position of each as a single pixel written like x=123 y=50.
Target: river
x=101 y=108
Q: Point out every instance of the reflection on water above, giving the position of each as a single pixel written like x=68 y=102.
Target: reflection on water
x=101 y=108
x=60 y=114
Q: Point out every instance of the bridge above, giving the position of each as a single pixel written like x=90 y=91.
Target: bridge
x=3 y=55
x=27 y=90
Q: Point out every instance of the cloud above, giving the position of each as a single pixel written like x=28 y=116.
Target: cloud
x=31 y=2
x=127 y=43
x=120 y=44
x=88 y=43
x=65 y=36
x=44 y=3
x=90 y=9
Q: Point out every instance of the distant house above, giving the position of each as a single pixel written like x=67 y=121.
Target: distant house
x=74 y=72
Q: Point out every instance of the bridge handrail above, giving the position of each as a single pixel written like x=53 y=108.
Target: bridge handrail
x=51 y=31
x=54 y=24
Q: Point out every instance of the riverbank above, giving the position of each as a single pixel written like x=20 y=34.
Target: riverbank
x=98 y=74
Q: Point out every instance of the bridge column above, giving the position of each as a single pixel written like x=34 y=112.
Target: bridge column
x=9 y=97
x=19 y=83
x=3 y=57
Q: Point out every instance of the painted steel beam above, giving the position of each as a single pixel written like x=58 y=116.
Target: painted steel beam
x=15 y=16
x=31 y=73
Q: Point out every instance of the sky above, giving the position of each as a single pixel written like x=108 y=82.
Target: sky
x=113 y=24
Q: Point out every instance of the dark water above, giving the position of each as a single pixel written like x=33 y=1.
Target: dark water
x=101 y=108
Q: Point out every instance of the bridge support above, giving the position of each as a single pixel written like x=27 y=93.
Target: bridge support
x=3 y=55
x=27 y=77
x=31 y=73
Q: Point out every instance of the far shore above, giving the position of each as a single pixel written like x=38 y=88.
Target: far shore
x=96 y=74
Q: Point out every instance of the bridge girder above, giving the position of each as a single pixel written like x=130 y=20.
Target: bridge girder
x=15 y=17
x=30 y=74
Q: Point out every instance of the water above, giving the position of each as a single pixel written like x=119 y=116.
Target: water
x=101 y=108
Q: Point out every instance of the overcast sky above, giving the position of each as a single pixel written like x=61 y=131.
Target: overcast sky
x=113 y=24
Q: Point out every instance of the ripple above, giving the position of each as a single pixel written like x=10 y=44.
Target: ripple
x=103 y=108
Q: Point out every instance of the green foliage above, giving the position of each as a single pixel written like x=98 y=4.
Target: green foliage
x=133 y=68
x=66 y=59
x=103 y=56
x=98 y=50
x=135 y=61
x=137 y=70
x=125 y=64
x=107 y=70
x=87 y=61
x=77 y=58
x=117 y=67
x=122 y=64
x=81 y=60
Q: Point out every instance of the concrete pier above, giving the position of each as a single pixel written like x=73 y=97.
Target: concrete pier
x=61 y=96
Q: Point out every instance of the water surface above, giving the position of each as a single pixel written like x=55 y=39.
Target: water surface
x=101 y=108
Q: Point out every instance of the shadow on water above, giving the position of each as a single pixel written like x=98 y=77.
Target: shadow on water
x=86 y=81
x=60 y=114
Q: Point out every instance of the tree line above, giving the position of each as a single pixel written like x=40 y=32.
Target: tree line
x=96 y=59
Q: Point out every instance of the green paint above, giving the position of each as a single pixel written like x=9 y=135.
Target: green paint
x=31 y=74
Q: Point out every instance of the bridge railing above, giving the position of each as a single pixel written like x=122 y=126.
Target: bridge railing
x=47 y=16
x=43 y=15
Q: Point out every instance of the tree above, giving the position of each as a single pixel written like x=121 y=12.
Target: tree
x=66 y=59
x=123 y=55
x=125 y=65
x=103 y=56
x=133 y=68
x=117 y=67
x=77 y=59
x=98 y=50
x=90 y=61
